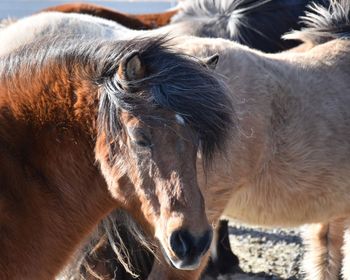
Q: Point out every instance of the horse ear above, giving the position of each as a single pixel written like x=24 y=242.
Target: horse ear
x=211 y=61
x=131 y=67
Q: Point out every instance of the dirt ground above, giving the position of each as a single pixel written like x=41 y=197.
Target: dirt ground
x=273 y=254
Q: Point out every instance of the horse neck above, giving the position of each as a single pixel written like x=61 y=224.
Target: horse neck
x=52 y=193
x=252 y=81
x=267 y=91
x=278 y=99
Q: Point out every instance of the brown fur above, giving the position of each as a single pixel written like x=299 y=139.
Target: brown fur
x=53 y=127
x=140 y=21
x=42 y=144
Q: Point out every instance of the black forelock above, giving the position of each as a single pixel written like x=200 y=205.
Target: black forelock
x=175 y=82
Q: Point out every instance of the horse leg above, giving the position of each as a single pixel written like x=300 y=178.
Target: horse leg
x=323 y=254
x=222 y=260
x=346 y=252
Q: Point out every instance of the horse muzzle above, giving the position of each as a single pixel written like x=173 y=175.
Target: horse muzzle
x=188 y=249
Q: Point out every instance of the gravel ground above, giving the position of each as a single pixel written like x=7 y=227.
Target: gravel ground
x=273 y=254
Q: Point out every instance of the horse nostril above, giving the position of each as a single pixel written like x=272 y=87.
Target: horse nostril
x=205 y=241
x=184 y=244
x=181 y=242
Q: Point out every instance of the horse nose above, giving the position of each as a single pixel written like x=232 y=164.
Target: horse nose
x=186 y=246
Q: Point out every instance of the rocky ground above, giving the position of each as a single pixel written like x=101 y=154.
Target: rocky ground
x=273 y=254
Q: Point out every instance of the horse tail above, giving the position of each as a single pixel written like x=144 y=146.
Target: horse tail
x=324 y=21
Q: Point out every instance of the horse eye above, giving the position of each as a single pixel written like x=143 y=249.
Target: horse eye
x=139 y=138
x=143 y=143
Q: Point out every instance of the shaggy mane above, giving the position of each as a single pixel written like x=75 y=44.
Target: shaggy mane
x=256 y=23
x=176 y=82
x=228 y=14
x=323 y=24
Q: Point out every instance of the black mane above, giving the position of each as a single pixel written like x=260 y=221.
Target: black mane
x=258 y=24
x=176 y=82
x=324 y=22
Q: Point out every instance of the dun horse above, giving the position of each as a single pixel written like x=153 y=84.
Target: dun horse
x=88 y=126
x=327 y=253
x=298 y=172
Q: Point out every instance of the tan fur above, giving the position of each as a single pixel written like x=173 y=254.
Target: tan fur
x=323 y=243
x=285 y=167
x=283 y=143
x=324 y=252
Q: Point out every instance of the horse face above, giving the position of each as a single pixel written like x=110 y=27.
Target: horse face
x=161 y=156
x=156 y=153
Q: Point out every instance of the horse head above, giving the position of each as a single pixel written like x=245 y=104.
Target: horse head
x=156 y=110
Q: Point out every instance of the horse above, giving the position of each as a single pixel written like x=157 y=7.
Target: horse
x=288 y=166
x=137 y=21
x=89 y=125
x=326 y=249
x=276 y=183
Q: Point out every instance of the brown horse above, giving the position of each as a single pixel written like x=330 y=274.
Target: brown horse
x=87 y=126
x=137 y=21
